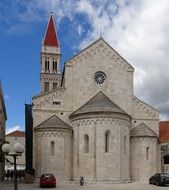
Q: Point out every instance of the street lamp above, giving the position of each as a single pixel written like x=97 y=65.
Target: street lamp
x=18 y=150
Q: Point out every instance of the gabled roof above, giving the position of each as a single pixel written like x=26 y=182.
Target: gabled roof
x=51 y=38
x=48 y=93
x=53 y=122
x=99 y=103
x=16 y=134
x=164 y=131
x=142 y=130
x=141 y=101
x=95 y=42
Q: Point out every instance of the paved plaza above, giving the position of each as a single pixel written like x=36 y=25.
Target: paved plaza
x=69 y=186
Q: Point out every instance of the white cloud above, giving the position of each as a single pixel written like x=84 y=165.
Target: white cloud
x=139 y=32
x=144 y=43
x=11 y=129
x=79 y=30
x=137 y=29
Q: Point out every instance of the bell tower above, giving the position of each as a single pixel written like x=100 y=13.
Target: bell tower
x=51 y=75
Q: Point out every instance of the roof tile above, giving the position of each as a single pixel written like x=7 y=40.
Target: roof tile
x=164 y=131
x=53 y=122
x=16 y=134
x=51 y=36
x=99 y=103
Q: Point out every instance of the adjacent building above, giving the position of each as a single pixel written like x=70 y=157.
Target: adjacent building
x=3 y=118
x=164 y=145
x=12 y=138
x=87 y=120
x=29 y=139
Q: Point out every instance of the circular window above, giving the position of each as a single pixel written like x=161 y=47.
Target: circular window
x=100 y=77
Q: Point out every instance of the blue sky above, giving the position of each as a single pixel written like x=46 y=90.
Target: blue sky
x=138 y=30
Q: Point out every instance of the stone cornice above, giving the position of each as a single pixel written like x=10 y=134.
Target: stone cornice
x=53 y=129
x=143 y=137
x=91 y=121
x=49 y=93
x=52 y=134
x=101 y=115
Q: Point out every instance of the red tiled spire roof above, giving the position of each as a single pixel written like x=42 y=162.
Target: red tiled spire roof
x=16 y=134
x=51 y=36
x=164 y=131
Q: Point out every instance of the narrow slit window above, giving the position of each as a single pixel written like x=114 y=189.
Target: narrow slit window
x=147 y=153
x=52 y=148
x=107 y=141
x=125 y=145
x=86 y=144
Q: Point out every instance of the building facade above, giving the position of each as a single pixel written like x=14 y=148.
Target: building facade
x=13 y=138
x=3 y=118
x=87 y=121
x=164 y=145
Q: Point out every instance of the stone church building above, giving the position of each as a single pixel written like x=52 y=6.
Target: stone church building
x=87 y=120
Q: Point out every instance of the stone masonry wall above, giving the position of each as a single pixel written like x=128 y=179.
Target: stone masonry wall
x=142 y=112
x=79 y=88
x=143 y=163
x=59 y=163
x=79 y=76
x=98 y=164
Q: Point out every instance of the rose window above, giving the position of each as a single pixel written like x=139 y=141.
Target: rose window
x=100 y=77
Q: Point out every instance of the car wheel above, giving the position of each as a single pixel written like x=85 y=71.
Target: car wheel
x=157 y=183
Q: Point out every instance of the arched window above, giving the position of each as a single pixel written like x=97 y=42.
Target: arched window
x=55 y=65
x=86 y=143
x=46 y=64
x=52 y=148
x=46 y=86
x=55 y=85
x=125 y=145
x=147 y=153
x=107 y=140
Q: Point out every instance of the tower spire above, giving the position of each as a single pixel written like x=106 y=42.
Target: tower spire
x=51 y=38
x=50 y=59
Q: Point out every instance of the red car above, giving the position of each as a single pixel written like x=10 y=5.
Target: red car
x=47 y=180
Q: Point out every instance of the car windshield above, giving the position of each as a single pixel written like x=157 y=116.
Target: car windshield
x=47 y=175
x=165 y=175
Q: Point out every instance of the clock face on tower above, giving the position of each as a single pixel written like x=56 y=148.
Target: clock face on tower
x=100 y=77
